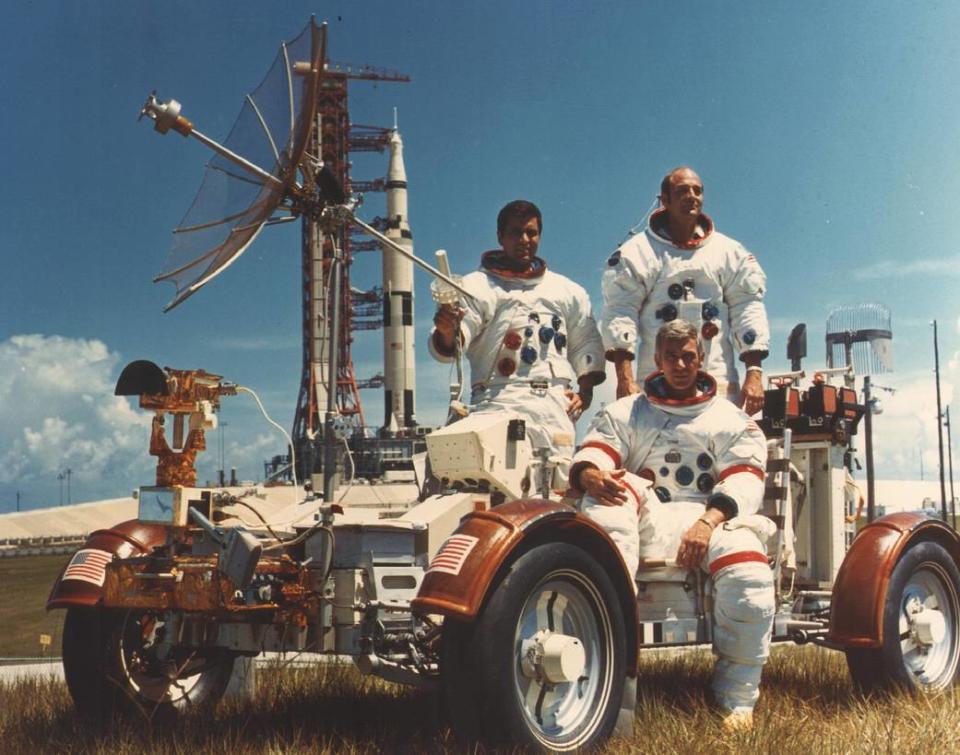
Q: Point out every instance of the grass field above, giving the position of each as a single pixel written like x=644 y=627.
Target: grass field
x=24 y=586
x=807 y=706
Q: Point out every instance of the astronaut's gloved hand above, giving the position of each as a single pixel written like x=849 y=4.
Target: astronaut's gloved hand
x=604 y=486
x=447 y=322
x=752 y=395
x=579 y=402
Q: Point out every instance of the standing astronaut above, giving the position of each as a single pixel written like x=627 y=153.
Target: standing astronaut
x=681 y=268
x=677 y=473
x=529 y=336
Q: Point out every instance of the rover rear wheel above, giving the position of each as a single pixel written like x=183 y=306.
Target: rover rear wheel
x=921 y=626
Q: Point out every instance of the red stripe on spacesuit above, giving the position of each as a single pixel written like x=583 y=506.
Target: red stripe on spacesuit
x=743 y=557
x=737 y=468
x=636 y=495
x=611 y=452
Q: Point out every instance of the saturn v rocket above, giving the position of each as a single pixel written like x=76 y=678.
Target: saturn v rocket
x=399 y=369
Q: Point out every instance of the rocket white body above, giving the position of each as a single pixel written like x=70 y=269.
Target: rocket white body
x=398 y=332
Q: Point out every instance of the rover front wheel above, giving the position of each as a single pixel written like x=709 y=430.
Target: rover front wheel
x=544 y=663
x=116 y=662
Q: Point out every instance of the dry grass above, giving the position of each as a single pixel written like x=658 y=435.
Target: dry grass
x=808 y=706
x=25 y=583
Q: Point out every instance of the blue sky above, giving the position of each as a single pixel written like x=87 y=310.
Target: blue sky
x=826 y=135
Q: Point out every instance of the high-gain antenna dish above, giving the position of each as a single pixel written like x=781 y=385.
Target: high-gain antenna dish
x=253 y=174
x=239 y=196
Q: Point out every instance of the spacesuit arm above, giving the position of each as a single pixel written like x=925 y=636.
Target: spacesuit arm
x=741 y=462
x=475 y=313
x=743 y=294
x=605 y=445
x=585 y=346
x=624 y=287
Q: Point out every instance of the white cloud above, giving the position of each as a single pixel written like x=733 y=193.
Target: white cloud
x=242 y=455
x=58 y=411
x=899 y=268
x=905 y=434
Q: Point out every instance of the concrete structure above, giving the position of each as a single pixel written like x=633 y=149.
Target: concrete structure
x=62 y=529
x=905 y=495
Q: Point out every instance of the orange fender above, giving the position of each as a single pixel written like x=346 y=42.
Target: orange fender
x=124 y=540
x=456 y=586
x=860 y=590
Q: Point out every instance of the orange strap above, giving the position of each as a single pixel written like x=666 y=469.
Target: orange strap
x=737 y=468
x=611 y=452
x=742 y=557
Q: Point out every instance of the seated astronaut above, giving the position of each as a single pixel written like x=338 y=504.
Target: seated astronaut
x=677 y=473
x=529 y=335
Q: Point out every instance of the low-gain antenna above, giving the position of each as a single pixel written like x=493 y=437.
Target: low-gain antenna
x=860 y=337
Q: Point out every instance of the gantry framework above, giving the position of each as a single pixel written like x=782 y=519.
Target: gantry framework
x=333 y=139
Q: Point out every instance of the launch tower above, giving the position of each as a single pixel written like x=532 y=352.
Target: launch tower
x=333 y=138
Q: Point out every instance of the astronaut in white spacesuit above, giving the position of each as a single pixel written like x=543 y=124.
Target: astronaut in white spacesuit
x=529 y=335
x=676 y=473
x=681 y=268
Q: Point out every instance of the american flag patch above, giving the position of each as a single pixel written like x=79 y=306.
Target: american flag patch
x=450 y=557
x=87 y=565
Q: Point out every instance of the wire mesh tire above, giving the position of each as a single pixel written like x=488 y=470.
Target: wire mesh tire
x=921 y=627
x=495 y=688
x=111 y=668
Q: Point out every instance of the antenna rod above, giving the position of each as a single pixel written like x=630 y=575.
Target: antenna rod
x=868 y=432
x=166 y=116
x=412 y=257
x=936 y=367
x=234 y=157
x=333 y=368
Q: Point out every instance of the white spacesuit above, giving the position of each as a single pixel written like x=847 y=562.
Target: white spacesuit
x=712 y=282
x=529 y=337
x=688 y=455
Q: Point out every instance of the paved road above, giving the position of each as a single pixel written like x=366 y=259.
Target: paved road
x=54 y=667
x=46 y=667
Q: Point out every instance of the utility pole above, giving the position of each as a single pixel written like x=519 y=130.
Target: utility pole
x=936 y=367
x=60 y=477
x=953 y=500
x=18 y=500
x=69 y=472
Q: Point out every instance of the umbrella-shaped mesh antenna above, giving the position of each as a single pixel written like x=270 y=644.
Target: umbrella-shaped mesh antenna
x=860 y=335
x=234 y=202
